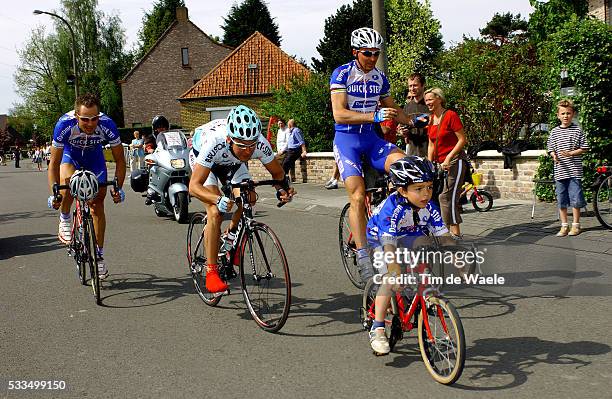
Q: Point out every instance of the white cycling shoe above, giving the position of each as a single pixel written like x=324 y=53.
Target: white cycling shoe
x=379 y=342
x=64 y=231
x=102 y=269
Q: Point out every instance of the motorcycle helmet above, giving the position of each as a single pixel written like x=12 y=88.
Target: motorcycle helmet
x=84 y=185
x=139 y=180
x=243 y=123
x=159 y=121
x=411 y=169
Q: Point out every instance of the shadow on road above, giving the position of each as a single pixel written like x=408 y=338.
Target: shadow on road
x=27 y=245
x=9 y=217
x=134 y=290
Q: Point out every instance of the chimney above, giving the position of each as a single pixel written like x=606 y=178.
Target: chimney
x=181 y=14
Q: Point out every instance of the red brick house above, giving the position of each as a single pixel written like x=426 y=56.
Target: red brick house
x=246 y=76
x=179 y=58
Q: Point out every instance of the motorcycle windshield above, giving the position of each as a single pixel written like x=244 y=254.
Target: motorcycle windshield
x=171 y=140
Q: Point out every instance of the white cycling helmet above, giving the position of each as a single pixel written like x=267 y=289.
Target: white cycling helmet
x=243 y=123
x=84 y=185
x=366 y=38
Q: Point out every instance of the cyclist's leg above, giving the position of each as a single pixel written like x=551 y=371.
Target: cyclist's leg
x=67 y=168
x=241 y=174
x=97 y=207
x=381 y=153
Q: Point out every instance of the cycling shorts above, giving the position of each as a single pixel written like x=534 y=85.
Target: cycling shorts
x=92 y=160
x=349 y=148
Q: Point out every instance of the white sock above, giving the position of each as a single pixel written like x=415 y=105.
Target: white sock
x=65 y=217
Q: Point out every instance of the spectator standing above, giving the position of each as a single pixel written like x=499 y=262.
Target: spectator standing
x=446 y=142
x=296 y=146
x=415 y=138
x=137 y=152
x=566 y=144
x=281 y=141
x=17 y=154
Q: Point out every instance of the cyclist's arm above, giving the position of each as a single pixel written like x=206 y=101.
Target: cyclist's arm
x=199 y=174
x=120 y=164
x=53 y=174
x=343 y=115
x=401 y=117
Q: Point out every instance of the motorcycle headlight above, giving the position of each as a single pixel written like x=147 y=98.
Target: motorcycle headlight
x=177 y=163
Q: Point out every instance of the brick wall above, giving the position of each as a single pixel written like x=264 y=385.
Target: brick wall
x=597 y=8
x=194 y=114
x=154 y=86
x=515 y=183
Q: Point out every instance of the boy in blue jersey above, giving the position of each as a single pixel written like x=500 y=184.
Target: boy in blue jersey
x=398 y=222
x=356 y=89
x=77 y=142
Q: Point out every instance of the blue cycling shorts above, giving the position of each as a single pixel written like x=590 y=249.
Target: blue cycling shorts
x=92 y=160
x=349 y=148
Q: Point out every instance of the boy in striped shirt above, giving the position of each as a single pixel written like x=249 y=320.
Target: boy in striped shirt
x=566 y=144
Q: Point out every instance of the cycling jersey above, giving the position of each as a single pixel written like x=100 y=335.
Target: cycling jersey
x=363 y=91
x=208 y=128
x=82 y=149
x=393 y=219
x=215 y=154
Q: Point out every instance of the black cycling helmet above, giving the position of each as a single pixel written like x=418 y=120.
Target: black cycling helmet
x=411 y=169
x=159 y=121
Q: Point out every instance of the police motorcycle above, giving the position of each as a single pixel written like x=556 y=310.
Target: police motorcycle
x=166 y=181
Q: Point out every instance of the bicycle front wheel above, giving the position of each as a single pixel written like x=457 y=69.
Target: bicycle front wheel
x=264 y=275
x=602 y=203
x=348 y=251
x=76 y=247
x=89 y=247
x=483 y=201
x=196 y=257
x=443 y=353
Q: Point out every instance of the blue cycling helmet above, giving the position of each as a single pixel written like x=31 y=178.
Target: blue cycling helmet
x=243 y=123
x=411 y=169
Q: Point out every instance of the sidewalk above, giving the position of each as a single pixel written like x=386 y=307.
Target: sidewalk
x=507 y=220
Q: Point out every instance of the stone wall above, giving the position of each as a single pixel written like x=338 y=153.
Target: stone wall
x=597 y=9
x=515 y=183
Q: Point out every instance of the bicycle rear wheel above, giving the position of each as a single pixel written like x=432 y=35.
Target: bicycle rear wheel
x=444 y=354
x=602 y=203
x=90 y=256
x=393 y=328
x=76 y=247
x=348 y=252
x=196 y=256
x=264 y=275
x=483 y=202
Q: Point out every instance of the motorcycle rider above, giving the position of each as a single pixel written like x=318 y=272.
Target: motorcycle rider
x=223 y=154
x=158 y=124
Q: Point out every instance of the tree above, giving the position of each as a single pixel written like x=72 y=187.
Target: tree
x=155 y=22
x=547 y=18
x=504 y=27
x=244 y=19
x=335 y=46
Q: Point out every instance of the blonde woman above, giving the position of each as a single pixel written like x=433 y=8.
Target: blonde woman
x=137 y=158
x=446 y=142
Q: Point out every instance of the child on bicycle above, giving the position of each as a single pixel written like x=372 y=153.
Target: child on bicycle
x=399 y=221
x=566 y=144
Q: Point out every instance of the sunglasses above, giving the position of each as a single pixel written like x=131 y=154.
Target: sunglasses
x=88 y=118
x=244 y=146
x=369 y=53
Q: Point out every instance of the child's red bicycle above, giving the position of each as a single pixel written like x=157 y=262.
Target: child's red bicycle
x=439 y=328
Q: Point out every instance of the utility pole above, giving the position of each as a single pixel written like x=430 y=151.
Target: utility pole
x=378 y=19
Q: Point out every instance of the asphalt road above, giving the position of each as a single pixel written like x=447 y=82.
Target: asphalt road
x=545 y=334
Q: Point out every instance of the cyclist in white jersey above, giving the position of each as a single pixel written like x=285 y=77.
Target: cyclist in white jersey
x=356 y=89
x=222 y=156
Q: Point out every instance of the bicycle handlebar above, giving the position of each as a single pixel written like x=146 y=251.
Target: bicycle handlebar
x=57 y=187
x=250 y=184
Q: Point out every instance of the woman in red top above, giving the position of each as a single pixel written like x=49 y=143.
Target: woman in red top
x=446 y=142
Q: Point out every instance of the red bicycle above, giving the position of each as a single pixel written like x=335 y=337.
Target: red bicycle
x=439 y=328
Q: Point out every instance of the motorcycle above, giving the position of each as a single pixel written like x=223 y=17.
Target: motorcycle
x=167 y=180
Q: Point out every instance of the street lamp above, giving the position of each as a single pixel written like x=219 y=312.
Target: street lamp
x=74 y=66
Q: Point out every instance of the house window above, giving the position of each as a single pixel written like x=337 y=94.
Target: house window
x=219 y=112
x=185 y=56
x=136 y=124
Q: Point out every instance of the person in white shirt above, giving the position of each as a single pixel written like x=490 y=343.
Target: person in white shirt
x=282 y=137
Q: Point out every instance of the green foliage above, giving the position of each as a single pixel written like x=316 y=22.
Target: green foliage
x=155 y=23
x=494 y=88
x=548 y=17
x=244 y=19
x=412 y=46
x=307 y=101
x=335 y=46
x=504 y=27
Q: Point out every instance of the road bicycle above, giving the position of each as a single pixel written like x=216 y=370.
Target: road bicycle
x=83 y=245
x=440 y=331
x=602 y=196
x=346 y=241
x=264 y=272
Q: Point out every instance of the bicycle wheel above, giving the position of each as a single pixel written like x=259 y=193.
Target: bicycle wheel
x=196 y=256
x=483 y=202
x=90 y=256
x=348 y=252
x=444 y=355
x=602 y=203
x=76 y=247
x=264 y=275
x=393 y=328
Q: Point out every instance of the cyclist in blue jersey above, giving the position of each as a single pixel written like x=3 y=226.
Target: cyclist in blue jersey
x=356 y=90
x=77 y=142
